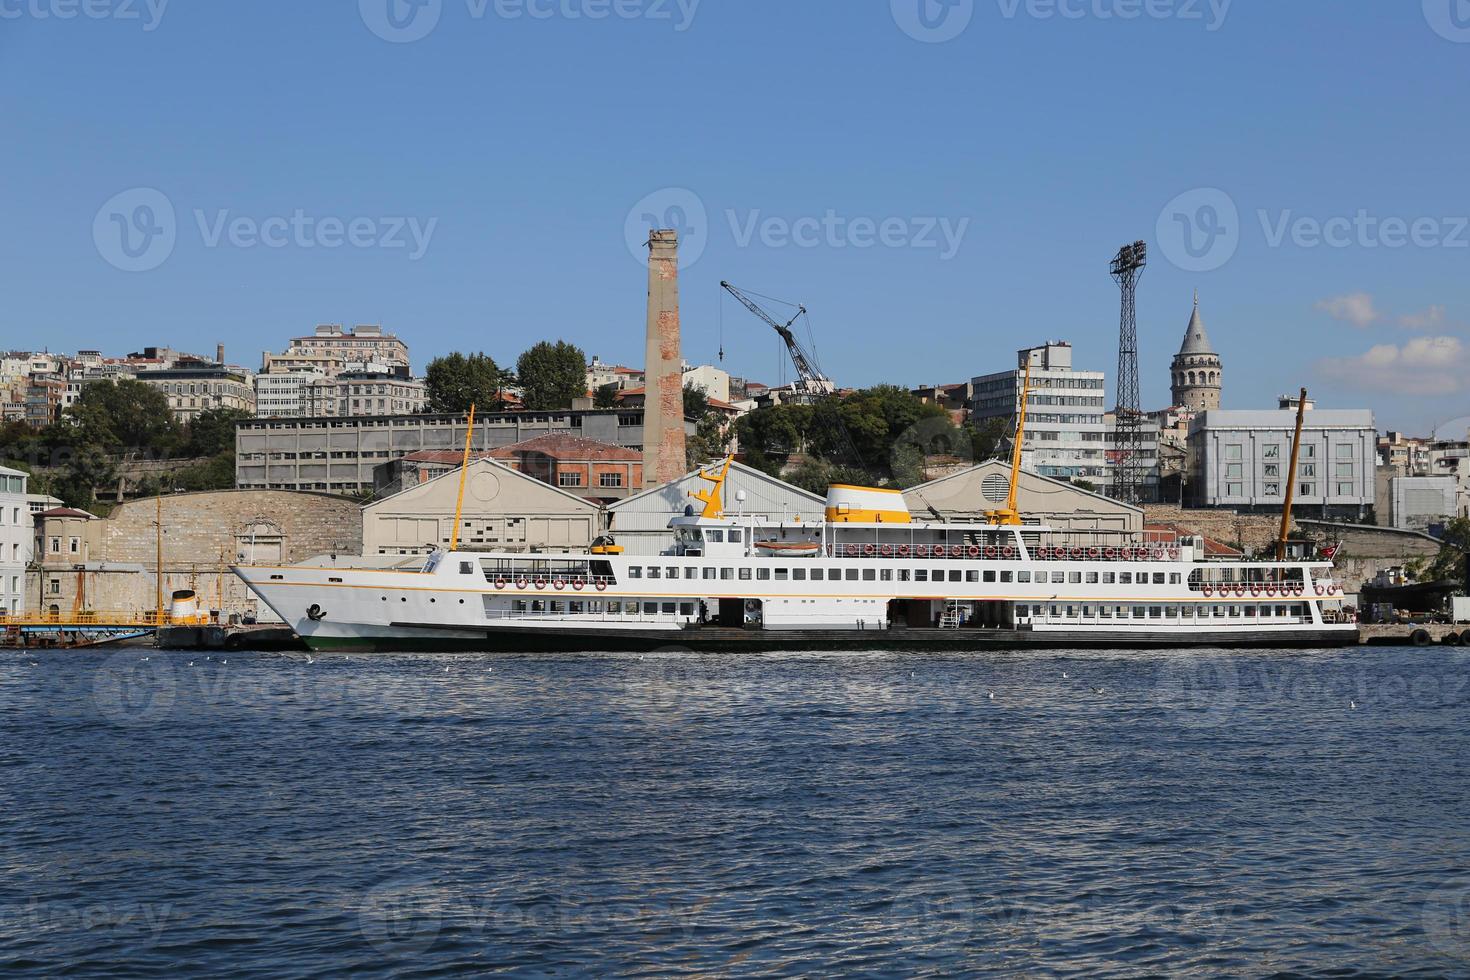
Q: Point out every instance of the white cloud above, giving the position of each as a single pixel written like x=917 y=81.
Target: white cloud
x=1355 y=308
x=1427 y=366
x=1431 y=319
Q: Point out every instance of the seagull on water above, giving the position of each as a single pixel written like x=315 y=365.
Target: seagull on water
x=1065 y=677
x=1098 y=690
x=990 y=695
x=1353 y=705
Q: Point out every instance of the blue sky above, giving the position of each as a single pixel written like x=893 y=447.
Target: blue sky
x=474 y=188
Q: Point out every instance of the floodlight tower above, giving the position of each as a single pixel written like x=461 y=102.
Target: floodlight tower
x=1127 y=269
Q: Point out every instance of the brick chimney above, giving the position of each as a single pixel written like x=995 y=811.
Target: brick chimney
x=663 y=403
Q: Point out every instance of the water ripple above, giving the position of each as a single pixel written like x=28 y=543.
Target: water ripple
x=1107 y=814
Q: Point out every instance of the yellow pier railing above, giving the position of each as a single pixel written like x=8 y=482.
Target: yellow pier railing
x=101 y=619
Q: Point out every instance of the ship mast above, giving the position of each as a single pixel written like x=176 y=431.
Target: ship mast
x=1296 y=448
x=1008 y=516
x=464 y=468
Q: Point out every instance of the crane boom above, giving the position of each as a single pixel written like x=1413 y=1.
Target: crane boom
x=811 y=380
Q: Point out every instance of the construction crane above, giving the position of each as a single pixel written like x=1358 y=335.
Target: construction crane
x=811 y=382
x=812 y=386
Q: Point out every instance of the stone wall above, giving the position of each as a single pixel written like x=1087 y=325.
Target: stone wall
x=1253 y=531
x=204 y=533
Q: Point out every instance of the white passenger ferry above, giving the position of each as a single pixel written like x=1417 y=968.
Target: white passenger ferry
x=868 y=576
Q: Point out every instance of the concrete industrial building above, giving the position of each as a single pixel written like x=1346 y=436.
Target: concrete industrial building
x=1066 y=435
x=112 y=561
x=17 y=529
x=340 y=455
x=1197 y=374
x=964 y=497
x=504 y=510
x=1417 y=503
x=1240 y=460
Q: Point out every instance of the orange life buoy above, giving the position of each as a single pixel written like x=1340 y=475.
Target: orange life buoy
x=559 y=584
x=601 y=586
x=990 y=552
x=541 y=583
x=521 y=583
x=500 y=583
x=974 y=551
x=903 y=551
x=868 y=550
x=1008 y=551
x=577 y=584
x=888 y=551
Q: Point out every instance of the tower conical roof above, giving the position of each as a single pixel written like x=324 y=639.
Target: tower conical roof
x=1196 y=341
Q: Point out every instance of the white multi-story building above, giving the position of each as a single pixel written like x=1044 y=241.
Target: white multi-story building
x=283 y=395
x=1242 y=459
x=363 y=394
x=332 y=349
x=17 y=529
x=1065 y=430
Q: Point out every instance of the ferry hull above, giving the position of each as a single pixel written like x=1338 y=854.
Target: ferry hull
x=413 y=638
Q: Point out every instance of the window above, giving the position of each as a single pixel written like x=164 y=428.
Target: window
x=870 y=575
x=1272 y=490
x=745 y=575
x=634 y=571
x=782 y=575
x=852 y=574
x=655 y=572
x=1309 y=489
x=709 y=573
x=1234 y=452
x=990 y=576
x=1234 y=471
x=1234 y=490
x=1272 y=451
x=715 y=536
x=565 y=479
x=1158 y=578
x=1344 y=489
x=1309 y=452
x=798 y=574
x=1344 y=471
x=726 y=574
x=736 y=535
x=817 y=574
x=610 y=480
x=1309 y=469
x=1344 y=450
x=1272 y=471
x=56 y=546
x=1023 y=576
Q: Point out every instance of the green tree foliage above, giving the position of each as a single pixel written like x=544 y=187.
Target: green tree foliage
x=455 y=382
x=711 y=439
x=217 y=473
x=122 y=416
x=552 y=375
x=606 y=396
x=1449 y=564
x=77 y=479
x=768 y=436
x=213 y=432
x=696 y=401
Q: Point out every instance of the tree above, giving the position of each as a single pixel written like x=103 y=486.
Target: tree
x=711 y=440
x=552 y=375
x=1450 y=562
x=606 y=396
x=213 y=432
x=119 y=416
x=696 y=401
x=455 y=382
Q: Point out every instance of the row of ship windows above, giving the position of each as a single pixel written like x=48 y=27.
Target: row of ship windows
x=1163 y=612
x=905 y=575
x=612 y=607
